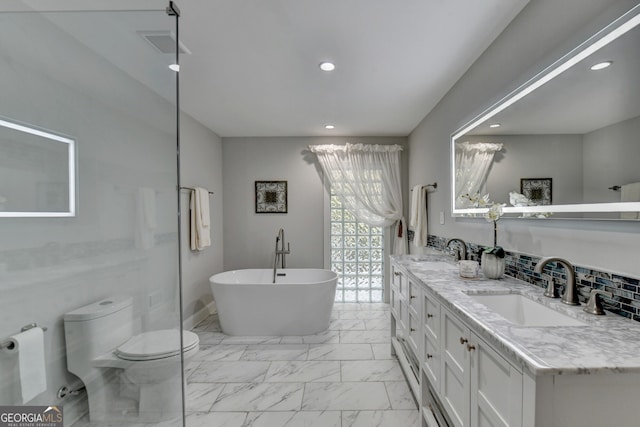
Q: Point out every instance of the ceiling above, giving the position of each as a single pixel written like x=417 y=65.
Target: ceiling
x=253 y=70
x=253 y=67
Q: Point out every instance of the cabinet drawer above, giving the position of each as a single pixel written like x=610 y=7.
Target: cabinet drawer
x=398 y=279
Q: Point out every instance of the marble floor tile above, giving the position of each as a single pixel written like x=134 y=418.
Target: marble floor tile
x=381 y=419
x=345 y=396
x=276 y=352
x=371 y=370
x=365 y=337
x=210 y=338
x=378 y=324
x=364 y=314
x=219 y=352
x=239 y=339
x=340 y=306
x=347 y=325
x=254 y=397
x=294 y=419
x=340 y=352
x=307 y=371
x=200 y=396
x=217 y=419
x=229 y=372
x=325 y=337
x=374 y=306
x=399 y=395
x=382 y=351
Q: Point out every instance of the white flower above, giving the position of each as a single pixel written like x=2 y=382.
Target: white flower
x=494 y=213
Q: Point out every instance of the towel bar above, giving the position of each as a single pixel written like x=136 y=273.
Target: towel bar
x=189 y=188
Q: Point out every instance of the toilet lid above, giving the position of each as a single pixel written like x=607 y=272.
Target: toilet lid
x=156 y=345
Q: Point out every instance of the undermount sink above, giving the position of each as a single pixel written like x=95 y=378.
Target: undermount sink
x=523 y=311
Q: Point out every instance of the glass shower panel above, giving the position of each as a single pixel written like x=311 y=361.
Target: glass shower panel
x=89 y=254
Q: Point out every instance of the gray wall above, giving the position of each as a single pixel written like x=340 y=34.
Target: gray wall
x=249 y=237
x=541 y=31
x=200 y=166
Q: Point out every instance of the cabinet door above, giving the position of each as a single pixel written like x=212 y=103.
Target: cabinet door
x=431 y=362
x=496 y=389
x=431 y=309
x=413 y=334
x=415 y=294
x=455 y=375
x=398 y=280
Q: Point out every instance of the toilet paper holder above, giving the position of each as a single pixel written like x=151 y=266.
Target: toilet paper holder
x=8 y=344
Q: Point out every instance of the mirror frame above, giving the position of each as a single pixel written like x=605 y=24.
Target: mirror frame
x=611 y=32
x=71 y=153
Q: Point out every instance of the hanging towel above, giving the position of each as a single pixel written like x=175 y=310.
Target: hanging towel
x=630 y=193
x=146 y=223
x=200 y=232
x=418 y=215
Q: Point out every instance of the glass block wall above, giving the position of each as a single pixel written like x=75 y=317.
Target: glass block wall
x=357 y=255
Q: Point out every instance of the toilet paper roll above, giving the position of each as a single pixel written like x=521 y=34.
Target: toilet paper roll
x=28 y=346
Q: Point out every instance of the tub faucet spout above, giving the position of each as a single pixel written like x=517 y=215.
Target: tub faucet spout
x=280 y=253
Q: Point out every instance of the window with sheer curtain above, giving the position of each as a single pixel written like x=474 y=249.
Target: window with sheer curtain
x=473 y=162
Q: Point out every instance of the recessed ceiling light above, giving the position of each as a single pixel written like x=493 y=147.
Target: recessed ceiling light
x=327 y=66
x=495 y=125
x=329 y=127
x=175 y=67
x=601 y=65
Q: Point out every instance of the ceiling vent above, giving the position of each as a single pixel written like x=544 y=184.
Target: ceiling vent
x=163 y=41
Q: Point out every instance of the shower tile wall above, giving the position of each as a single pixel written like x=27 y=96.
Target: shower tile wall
x=125 y=138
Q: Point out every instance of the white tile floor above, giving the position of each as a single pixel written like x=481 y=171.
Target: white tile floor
x=343 y=377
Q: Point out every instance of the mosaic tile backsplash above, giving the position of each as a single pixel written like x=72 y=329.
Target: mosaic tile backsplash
x=625 y=290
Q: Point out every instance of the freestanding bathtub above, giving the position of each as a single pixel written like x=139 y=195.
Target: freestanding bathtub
x=299 y=303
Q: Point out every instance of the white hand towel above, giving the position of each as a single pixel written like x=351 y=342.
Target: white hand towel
x=28 y=346
x=418 y=215
x=200 y=219
x=630 y=193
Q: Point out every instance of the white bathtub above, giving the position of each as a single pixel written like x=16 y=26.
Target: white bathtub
x=299 y=303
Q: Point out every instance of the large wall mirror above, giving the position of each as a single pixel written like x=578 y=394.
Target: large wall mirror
x=37 y=172
x=566 y=144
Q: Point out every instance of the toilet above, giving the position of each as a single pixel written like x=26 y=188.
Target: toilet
x=127 y=375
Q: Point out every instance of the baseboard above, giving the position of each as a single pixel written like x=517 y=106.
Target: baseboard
x=206 y=311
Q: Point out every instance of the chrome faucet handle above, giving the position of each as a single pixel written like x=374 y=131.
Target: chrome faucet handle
x=551 y=291
x=594 y=305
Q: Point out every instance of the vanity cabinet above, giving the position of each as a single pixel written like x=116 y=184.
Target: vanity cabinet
x=479 y=387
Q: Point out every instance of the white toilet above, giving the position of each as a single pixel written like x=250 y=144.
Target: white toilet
x=126 y=376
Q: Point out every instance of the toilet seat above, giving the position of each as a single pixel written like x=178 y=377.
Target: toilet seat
x=155 y=345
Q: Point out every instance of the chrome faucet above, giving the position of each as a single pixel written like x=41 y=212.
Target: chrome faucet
x=280 y=253
x=570 y=295
x=462 y=253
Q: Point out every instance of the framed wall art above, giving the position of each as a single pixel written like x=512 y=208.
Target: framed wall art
x=271 y=196
x=538 y=190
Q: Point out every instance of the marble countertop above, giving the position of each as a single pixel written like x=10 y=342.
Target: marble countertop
x=605 y=344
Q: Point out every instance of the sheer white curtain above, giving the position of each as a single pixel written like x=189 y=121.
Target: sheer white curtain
x=367 y=179
x=473 y=161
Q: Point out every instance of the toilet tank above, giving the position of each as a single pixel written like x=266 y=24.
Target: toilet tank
x=96 y=329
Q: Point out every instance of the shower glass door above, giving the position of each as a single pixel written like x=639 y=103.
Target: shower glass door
x=89 y=214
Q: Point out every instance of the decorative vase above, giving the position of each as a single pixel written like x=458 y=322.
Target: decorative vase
x=492 y=266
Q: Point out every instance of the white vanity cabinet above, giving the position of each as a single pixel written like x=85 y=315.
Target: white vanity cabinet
x=479 y=387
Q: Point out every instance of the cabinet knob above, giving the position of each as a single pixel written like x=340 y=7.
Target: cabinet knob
x=412 y=296
x=470 y=347
x=429 y=356
x=413 y=329
x=397 y=273
x=429 y=315
x=463 y=340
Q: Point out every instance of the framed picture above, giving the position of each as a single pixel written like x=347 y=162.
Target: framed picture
x=538 y=190
x=271 y=196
